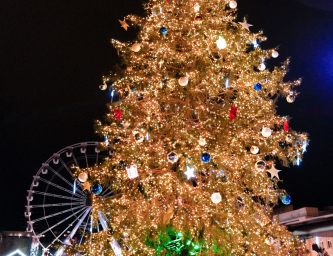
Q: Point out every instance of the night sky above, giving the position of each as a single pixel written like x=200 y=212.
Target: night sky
x=53 y=55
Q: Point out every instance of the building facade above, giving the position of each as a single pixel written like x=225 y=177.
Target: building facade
x=14 y=243
x=312 y=226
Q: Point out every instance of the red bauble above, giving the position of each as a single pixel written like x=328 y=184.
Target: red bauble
x=286 y=126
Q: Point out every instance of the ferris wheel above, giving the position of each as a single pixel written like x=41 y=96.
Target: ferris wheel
x=58 y=210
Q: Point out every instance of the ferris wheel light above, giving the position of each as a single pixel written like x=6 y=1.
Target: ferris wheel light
x=74 y=187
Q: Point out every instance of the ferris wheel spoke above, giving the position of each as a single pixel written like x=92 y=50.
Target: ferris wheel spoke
x=65 y=180
x=70 y=236
x=57 y=224
x=57 y=186
x=68 y=170
x=56 y=214
x=103 y=220
x=55 y=195
x=102 y=194
x=96 y=156
x=110 y=192
x=85 y=227
x=74 y=158
x=85 y=155
x=59 y=204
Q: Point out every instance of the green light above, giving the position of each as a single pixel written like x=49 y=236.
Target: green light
x=188 y=242
x=196 y=247
x=192 y=253
x=180 y=234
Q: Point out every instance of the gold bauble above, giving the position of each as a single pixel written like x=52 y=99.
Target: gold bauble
x=291 y=98
x=260 y=165
x=198 y=19
x=136 y=47
x=138 y=137
x=83 y=176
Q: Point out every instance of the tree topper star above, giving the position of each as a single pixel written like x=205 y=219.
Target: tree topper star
x=189 y=172
x=124 y=24
x=274 y=172
x=245 y=25
x=117 y=114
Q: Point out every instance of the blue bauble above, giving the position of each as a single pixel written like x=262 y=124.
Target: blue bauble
x=286 y=199
x=205 y=157
x=163 y=31
x=96 y=189
x=257 y=87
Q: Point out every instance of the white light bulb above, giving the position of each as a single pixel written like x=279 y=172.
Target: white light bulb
x=221 y=43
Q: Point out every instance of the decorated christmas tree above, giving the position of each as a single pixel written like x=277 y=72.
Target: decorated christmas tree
x=194 y=139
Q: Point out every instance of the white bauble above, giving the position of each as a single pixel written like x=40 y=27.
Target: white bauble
x=275 y=54
x=183 y=81
x=233 y=4
x=254 y=150
x=216 y=198
x=266 y=132
x=221 y=43
x=202 y=142
x=103 y=87
x=83 y=177
x=136 y=47
x=262 y=67
x=196 y=7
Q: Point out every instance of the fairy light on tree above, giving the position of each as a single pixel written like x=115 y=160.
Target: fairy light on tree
x=195 y=91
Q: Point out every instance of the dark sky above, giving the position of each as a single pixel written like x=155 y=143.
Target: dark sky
x=53 y=54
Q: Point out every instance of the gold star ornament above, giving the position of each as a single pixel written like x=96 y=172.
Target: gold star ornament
x=86 y=186
x=124 y=24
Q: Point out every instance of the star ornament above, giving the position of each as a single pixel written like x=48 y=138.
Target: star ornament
x=86 y=186
x=117 y=114
x=274 y=172
x=233 y=113
x=124 y=24
x=245 y=25
x=189 y=172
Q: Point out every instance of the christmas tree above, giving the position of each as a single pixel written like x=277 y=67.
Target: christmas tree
x=194 y=138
